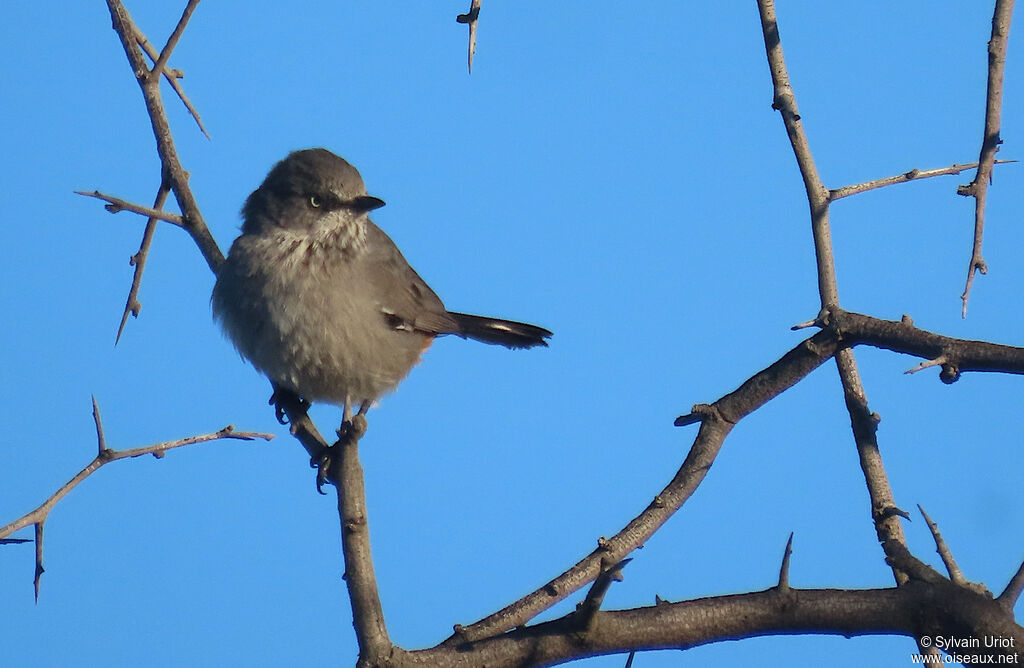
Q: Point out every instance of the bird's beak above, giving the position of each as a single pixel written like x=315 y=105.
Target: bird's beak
x=366 y=203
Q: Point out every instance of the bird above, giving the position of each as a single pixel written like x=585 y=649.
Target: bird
x=320 y=300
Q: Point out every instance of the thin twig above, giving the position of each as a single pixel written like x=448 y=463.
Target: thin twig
x=978 y=188
x=955 y=574
x=471 y=17
x=116 y=205
x=132 y=305
x=161 y=63
x=912 y=175
x=784 y=102
x=107 y=456
x=173 y=76
x=784 y=569
x=191 y=217
x=39 y=516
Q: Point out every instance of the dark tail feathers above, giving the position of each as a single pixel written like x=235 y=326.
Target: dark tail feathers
x=500 y=332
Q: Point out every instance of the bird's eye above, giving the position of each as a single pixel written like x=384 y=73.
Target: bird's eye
x=314 y=201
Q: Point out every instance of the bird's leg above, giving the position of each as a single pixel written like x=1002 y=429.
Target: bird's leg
x=353 y=426
x=358 y=421
x=351 y=430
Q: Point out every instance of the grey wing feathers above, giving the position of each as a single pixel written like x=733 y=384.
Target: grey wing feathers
x=407 y=302
x=404 y=297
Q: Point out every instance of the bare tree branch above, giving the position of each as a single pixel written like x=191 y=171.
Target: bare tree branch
x=132 y=305
x=108 y=456
x=502 y=639
x=117 y=205
x=173 y=76
x=908 y=611
x=844 y=329
x=191 y=217
x=161 y=62
x=346 y=473
x=906 y=177
x=902 y=336
x=39 y=516
x=716 y=421
x=863 y=421
x=978 y=188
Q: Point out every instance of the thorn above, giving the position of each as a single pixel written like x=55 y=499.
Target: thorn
x=101 y=440
x=784 y=569
x=941 y=359
x=804 y=325
x=39 y=559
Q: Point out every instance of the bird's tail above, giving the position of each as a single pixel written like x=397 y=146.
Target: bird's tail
x=500 y=332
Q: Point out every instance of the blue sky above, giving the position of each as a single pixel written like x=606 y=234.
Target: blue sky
x=611 y=172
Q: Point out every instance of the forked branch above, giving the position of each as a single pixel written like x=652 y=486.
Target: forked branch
x=978 y=188
x=105 y=456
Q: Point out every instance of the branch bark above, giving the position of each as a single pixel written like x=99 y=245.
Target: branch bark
x=149 y=82
x=862 y=420
x=916 y=609
x=716 y=421
x=104 y=456
x=978 y=188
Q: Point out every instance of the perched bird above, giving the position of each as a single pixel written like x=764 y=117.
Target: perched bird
x=321 y=301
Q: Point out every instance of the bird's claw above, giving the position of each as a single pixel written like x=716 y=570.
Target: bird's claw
x=322 y=464
x=278 y=399
x=352 y=429
x=349 y=433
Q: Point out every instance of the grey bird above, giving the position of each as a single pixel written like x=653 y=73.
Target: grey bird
x=321 y=301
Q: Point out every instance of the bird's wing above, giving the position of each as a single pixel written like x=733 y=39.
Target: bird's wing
x=405 y=299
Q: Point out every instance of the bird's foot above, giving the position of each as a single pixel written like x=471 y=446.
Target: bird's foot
x=284 y=400
x=349 y=433
x=352 y=429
